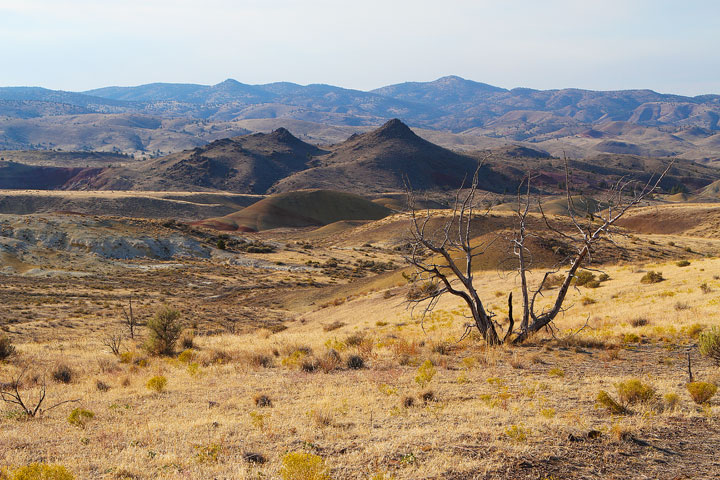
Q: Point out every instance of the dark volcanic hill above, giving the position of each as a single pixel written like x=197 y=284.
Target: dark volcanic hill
x=381 y=161
x=377 y=161
x=245 y=164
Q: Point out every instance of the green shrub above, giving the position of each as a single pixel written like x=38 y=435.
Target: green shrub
x=303 y=466
x=633 y=391
x=157 y=383
x=652 y=277
x=41 y=471
x=6 y=347
x=79 y=417
x=164 y=330
x=187 y=356
x=425 y=373
x=517 y=433
x=709 y=344
x=604 y=399
x=701 y=392
x=671 y=401
x=584 y=277
x=208 y=453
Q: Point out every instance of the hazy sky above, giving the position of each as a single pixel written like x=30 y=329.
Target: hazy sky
x=668 y=46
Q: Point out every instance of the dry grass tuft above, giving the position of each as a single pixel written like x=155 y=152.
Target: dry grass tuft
x=701 y=392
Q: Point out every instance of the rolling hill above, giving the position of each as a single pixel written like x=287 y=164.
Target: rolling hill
x=299 y=209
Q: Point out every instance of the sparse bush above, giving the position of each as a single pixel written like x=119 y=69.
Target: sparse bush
x=79 y=417
x=633 y=391
x=682 y=263
x=208 y=453
x=551 y=281
x=6 y=347
x=680 y=306
x=263 y=401
x=303 y=466
x=639 y=322
x=333 y=326
x=355 y=362
x=693 y=330
x=705 y=288
x=186 y=356
x=330 y=361
x=102 y=386
x=588 y=300
x=221 y=244
x=701 y=392
x=62 y=374
x=516 y=433
x=556 y=372
x=253 y=457
x=164 y=330
x=408 y=402
x=652 y=277
x=157 y=383
x=309 y=364
x=427 y=396
x=709 y=344
x=584 y=277
x=671 y=401
x=425 y=373
x=187 y=341
x=604 y=277
x=631 y=338
x=41 y=471
x=604 y=399
x=423 y=290
x=261 y=360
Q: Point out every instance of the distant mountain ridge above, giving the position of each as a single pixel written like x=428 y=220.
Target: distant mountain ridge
x=449 y=102
x=581 y=122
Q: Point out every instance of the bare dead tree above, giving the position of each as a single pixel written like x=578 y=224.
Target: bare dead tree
x=442 y=257
x=449 y=267
x=130 y=321
x=113 y=341
x=622 y=196
x=10 y=393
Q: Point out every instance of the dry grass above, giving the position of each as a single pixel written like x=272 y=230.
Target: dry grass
x=419 y=405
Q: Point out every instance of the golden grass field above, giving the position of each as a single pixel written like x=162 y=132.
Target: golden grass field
x=522 y=412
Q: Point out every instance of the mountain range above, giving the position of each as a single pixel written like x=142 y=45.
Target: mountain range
x=165 y=117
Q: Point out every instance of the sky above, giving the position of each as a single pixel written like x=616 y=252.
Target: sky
x=666 y=46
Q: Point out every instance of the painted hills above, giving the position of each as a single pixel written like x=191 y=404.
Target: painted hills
x=164 y=118
x=374 y=163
